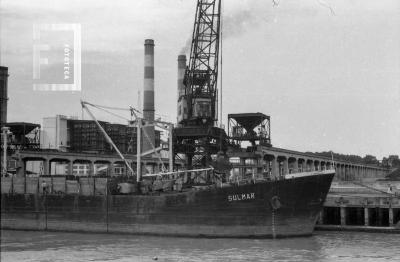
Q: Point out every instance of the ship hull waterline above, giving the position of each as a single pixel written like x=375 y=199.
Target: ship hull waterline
x=269 y=209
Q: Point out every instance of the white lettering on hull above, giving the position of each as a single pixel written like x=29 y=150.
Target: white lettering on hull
x=241 y=197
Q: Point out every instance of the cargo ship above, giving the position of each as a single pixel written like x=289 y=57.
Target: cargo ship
x=209 y=197
x=285 y=207
x=221 y=200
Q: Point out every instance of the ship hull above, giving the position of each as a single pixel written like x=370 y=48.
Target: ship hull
x=269 y=209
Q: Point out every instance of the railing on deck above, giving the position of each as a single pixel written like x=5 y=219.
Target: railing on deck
x=87 y=186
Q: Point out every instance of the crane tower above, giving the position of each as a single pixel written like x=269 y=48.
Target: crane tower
x=197 y=136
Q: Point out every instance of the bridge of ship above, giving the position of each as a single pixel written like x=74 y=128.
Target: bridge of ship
x=277 y=162
x=64 y=163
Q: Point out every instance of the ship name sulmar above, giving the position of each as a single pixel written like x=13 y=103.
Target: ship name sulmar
x=240 y=197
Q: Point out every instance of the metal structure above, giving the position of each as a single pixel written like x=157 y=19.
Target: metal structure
x=3 y=95
x=197 y=137
x=23 y=136
x=109 y=140
x=200 y=97
x=141 y=124
x=252 y=127
x=4 y=131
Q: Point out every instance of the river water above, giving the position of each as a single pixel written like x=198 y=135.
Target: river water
x=323 y=246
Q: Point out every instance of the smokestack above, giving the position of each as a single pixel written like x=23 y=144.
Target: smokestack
x=181 y=74
x=148 y=92
x=181 y=86
x=3 y=94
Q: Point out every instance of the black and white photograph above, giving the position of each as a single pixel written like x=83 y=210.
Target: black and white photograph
x=200 y=130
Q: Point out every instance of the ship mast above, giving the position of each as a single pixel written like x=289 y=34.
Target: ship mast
x=140 y=124
x=109 y=140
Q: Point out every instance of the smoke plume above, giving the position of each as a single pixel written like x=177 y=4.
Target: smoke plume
x=241 y=19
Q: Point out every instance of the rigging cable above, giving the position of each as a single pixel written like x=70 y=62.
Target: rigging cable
x=110 y=107
x=221 y=73
x=111 y=113
x=101 y=107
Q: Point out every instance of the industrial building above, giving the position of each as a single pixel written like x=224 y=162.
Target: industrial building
x=72 y=135
x=83 y=139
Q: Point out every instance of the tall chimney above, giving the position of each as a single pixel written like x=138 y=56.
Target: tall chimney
x=3 y=94
x=181 y=74
x=148 y=93
x=181 y=87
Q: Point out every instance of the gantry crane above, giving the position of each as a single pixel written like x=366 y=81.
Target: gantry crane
x=197 y=136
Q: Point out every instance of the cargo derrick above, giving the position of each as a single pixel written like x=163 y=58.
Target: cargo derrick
x=197 y=137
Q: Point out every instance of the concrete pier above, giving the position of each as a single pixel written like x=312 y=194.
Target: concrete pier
x=362 y=207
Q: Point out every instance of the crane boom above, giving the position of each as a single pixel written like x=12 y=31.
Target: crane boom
x=109 y=140
x=139 y=123
x=202 y=72
x=197 y=137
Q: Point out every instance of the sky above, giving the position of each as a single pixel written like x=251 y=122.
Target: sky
x=327 y=72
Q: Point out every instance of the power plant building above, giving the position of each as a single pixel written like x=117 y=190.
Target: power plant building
x=54 y=133
x=72 y=135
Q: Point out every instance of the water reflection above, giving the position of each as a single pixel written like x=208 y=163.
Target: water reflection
x=57 y=246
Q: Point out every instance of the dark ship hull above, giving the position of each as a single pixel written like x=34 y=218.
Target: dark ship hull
x=280 y=208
